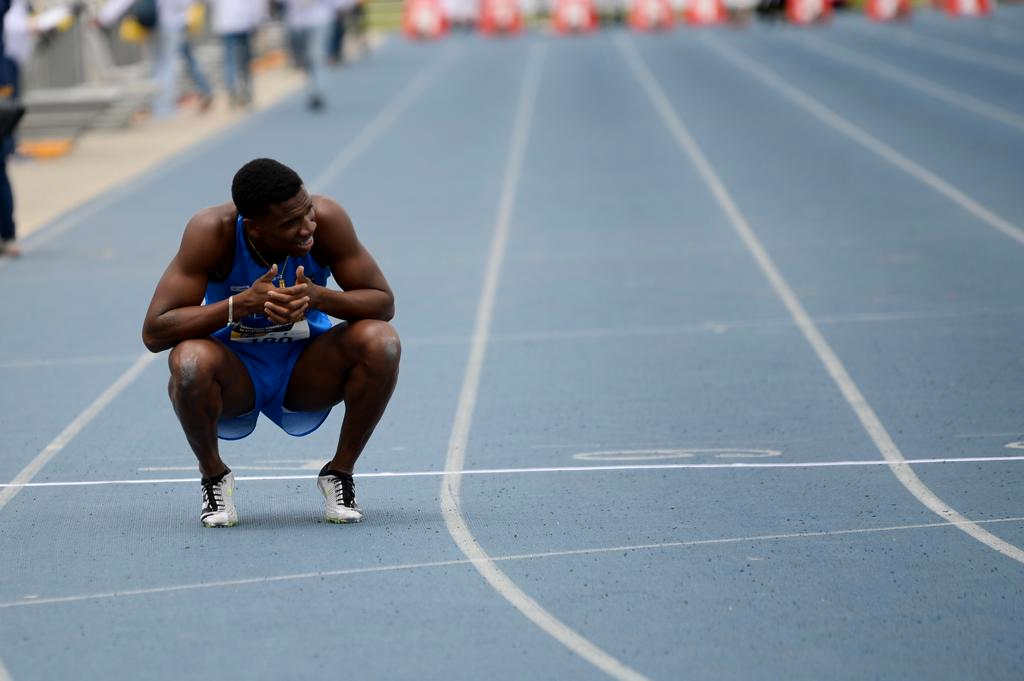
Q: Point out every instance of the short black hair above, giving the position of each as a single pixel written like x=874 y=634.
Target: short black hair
x=262 y=182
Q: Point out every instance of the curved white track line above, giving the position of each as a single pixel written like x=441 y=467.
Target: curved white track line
x=862 y=137
x=945 y=48
x=869 y=420
x=547 y=469
x=68 y=434
x=929 y=87
x=452 y=482
x=31 y=601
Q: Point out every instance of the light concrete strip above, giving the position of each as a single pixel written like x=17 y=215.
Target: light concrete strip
x=455 y=461
x=851 y=392
x=929 y=87
x=74 y=428
x=515 y=471
x=865 y=139
x=945 y=48
x=694 y=543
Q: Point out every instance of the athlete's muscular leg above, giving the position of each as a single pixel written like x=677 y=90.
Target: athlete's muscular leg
x=356 y=363
x=207 y=382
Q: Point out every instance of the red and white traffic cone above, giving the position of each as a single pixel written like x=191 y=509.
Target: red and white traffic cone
x=808 y=11
x=704 y=12
x=500 y=16
x=424 y=19
x=968 y=8
x=574 y=16
x=887 y=10
x=651 y=15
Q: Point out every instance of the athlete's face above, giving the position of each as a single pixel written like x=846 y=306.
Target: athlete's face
x=288 y=227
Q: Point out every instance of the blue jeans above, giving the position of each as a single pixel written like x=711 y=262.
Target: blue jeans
x=336 y=41
x=6 y=203
x=308 y=46
x=168 y=43
x=237 y=65
x=10 y=76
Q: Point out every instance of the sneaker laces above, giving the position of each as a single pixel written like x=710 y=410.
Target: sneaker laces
x=213 y=494
x=344 y=489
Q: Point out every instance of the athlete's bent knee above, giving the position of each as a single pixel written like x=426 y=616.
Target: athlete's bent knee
x=192 y=364
x=378 y=343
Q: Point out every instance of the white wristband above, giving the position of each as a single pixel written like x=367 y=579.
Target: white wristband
x=231 y=310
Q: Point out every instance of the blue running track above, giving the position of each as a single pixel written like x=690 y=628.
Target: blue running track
x=671 y=301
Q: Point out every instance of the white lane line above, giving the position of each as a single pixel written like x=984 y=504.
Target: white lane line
x=1006 y=35
x=834 y=120
x=68 y=434
x=1015 y=433
x=869 y=420
x=928 y=87
x=385 y=118
x=675 y=453
x=234 y=468
x=64 y=361
x=455 y=460
x=713 y=327
x=945 y=48
x=4 y=674
x=539 y=469
x=508 y=558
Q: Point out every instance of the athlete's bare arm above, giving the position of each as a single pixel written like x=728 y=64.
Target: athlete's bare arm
x=176 y=312
x=366 y=293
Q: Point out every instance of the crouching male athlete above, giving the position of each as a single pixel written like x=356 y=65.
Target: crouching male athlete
x=244 y=307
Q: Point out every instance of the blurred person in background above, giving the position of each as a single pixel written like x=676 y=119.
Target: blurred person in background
x=235 y=22
x=168 y=39
x=23 y=28
x=356 y=27
x=9 y=91
x=308 y=22
x=343 y=11
x=20 y=32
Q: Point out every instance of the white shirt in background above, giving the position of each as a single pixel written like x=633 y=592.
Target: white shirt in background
x=20 y=27
x=171 y=14
x=238 y=16
x=309 y=13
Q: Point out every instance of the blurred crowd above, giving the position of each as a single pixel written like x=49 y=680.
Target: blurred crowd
x=168 y=30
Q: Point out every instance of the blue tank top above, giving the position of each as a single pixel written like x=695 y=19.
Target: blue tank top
x=257 y=331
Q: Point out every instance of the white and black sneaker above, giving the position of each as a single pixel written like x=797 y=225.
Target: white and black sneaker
x=339 y=490
x=218 y=501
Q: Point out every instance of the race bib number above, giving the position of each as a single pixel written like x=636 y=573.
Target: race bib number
x=247 y=332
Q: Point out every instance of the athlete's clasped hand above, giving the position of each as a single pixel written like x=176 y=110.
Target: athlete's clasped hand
x=283 y=305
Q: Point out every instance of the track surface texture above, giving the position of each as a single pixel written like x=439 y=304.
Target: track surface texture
x=629 y=261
